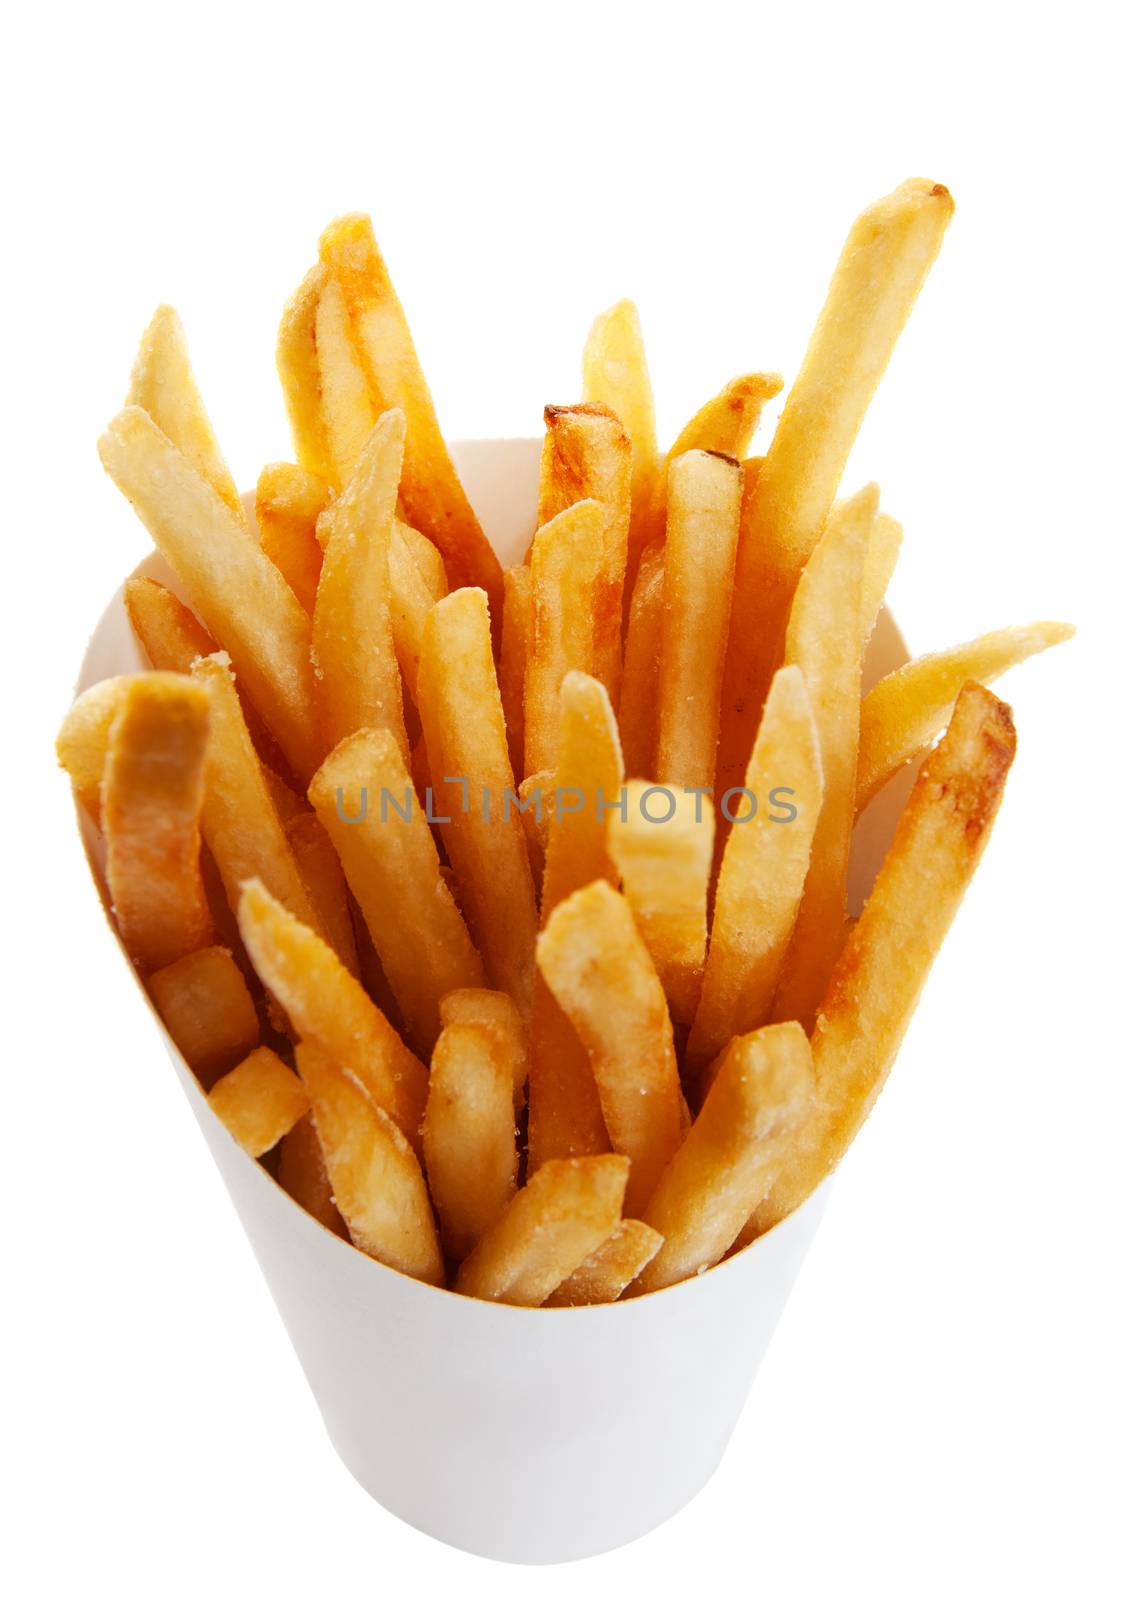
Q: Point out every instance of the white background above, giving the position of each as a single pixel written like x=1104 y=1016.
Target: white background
x=941 y=1409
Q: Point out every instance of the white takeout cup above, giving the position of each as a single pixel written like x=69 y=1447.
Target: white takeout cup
x=523 y=1435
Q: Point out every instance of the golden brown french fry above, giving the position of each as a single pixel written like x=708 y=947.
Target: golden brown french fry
x=537 y=801
x=83 y=739
x=152 y=792
x=595 y=962
x=586 y=456
x=564 y=1111
x=762 y=873
x=640 y=678
x=463 y=721
x=345 y=404
x=287 y=503
x=410 y=598
x=329 y=1008
x=498 y=1012
x=325 y=884
x=882 y=558
x=163 y=384
x=566 y=559
x=234 y=587
x=240 y=822
x=515 y=634
x=615 y=374
x=661 y=844
x=357 y=678
x=611 y=1268
x=286 y=801
x=724 y=425
x=304 y=1177
x=434 y=501
x=170 y=635
x=205 y=1005
x=906 y=710
x=376 y=1179
x=704 y=499
x=761 y=1097
x=426 y=558
x=875 y=986
x=566 y=1211
x=259 y=1101
x=469 y=1135
x=825 y=639
x=299 y=371
x=366 y=802
x=888 y=253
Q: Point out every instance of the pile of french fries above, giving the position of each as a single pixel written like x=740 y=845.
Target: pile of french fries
x=502 y=914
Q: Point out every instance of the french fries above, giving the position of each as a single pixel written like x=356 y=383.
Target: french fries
x=375 y=1176
x=884 y=263
x=329 y=1008
x=345 y=404
x=825 y=639
x=704 y=497
x=469 y=1135
x=661 y=845
x=906 y=710
x=463 y=722
x=566 y=563
x=552 y=1225
x=515 y=635
x=607 y=1273
x=882 y=557
x=259 y=1101
x=207 y=1009
x=434 y=501
x=640 y=675
x=762 y=874
x=879 y=976
x=498 y=1013
x=761 y=1097
x=615 y=374
x=152 y=793
x=299 y=371
x=368 y=807
x=599 y=971
x=83 y=739
x=287 y=502
x=587 y=456
x=302 y=1174
x=325 y=884
x=236 y=589
x=171 y=636
x=724 y=425
x=163 y=384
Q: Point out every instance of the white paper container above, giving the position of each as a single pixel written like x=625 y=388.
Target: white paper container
x=523 y=1435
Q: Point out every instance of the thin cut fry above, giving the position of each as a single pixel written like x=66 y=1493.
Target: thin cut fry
x=704 y=498
x=287 y=503
x=83 y=739
x=586 y=456
x=357 y=678
x=205 y=1005
x=724 y=425
x=325 y=884
x=469 y=1135
x=304 y=1177
x=566 y=560
x=375 y=1176
x=329 y=1008
x=604 y=1275
x=888 y=253
x=434 y=501
x=463 y=721
x=615 y=373
x=879 y=976
x=515 y=635
x=152 y=792
x=762 y=1095
x=661 y=843
x=410 y=599
x=366 y=802
x=599 y=971
x=537 y=801
x=259 y=1101
x=882 y=558
x=496 y=1011
x=566 y=1211
x=170 y=635
x=426 y=557
x=163 y=384
x=640 y=677
x=240 y=822
x=825 y=639
x=905 y=711
x=299 y=371
x=763 y=872
x=233 y=586
x=345 y=405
